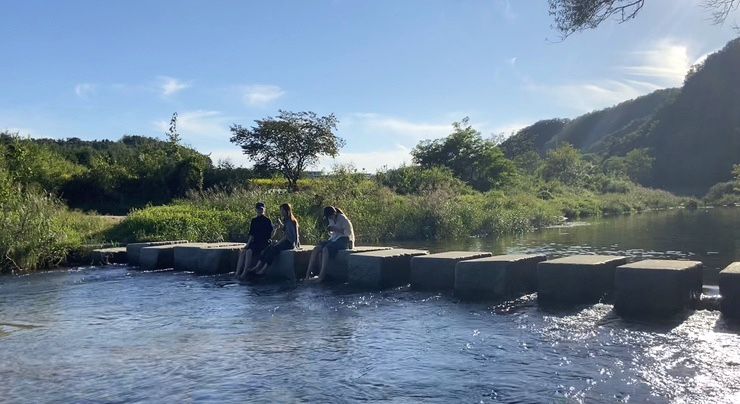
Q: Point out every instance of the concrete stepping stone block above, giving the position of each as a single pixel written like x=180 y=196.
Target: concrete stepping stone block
x=290 y=265
x=729 y=288
x=157 y=257
x=133 y=250
x=112 y=255
x=185 y=256
x=337 y=268
x=656 y=287
x=381 y=269
x=220 y=259
x=497 y=277
x=577 y=278
x=436 y=272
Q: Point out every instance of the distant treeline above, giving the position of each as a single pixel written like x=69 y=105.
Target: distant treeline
x=111 y=177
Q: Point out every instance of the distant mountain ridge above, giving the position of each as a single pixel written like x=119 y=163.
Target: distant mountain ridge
x=693 y=132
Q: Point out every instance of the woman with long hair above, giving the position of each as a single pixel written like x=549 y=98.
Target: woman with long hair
x=289 y=241
x=341 y=237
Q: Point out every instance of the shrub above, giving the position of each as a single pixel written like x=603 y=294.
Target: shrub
x=415 y=180
x=723 y=193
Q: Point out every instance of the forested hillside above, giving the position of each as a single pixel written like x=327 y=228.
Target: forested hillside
x=693 y=133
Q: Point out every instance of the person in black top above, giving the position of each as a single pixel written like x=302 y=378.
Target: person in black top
x=289 y=241
x=260 y=233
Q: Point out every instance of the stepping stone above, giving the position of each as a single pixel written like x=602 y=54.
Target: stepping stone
x=381 y=269
x=133 y=250
x=337 y=268
x=113 y=255
x=497 y=277
x=157 y=257
x=437 y=271
x=577 y=279
x=290 y=265
x=729 y=288
x=185 y=256
x=219 y=259
x=656 y=287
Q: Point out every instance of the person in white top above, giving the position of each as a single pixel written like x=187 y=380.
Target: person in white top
x=341 y=237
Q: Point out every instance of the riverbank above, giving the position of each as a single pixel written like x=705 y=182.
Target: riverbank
x=381 y=215
x=57 y=236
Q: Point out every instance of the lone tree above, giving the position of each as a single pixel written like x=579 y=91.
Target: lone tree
x=289 y=142
x=577 y=15
x=471 y=158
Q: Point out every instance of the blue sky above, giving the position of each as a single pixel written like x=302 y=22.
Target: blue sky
x=394 y=72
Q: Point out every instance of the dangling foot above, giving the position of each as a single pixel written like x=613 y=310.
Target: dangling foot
x=261 y=270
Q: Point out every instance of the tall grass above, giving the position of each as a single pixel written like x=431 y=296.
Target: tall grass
x=38 y=231
x=379 y=214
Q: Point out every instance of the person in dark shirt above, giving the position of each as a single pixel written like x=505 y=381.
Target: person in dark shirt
x=260 y=233
x=289 y=241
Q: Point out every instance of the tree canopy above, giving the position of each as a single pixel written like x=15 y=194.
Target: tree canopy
x=474 y=160
x=289 y=143
x=577 y=15
x=103 y=175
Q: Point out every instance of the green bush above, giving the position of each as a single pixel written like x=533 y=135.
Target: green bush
x=38 y=230
x=415 y=180
x=724 y=193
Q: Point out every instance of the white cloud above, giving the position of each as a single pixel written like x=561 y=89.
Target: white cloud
x=84 y=90
x=504 y=7
x=589 y=96
x=666 y=63
x=170 y=85
x=509 y=129
x=701 y=59
x=199 y=124
x=663 y=64
x=370 y=161
x=386 y=125
x=258 y=95
x=234 y=155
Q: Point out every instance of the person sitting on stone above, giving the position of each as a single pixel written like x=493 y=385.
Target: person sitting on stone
x=341 y=237
x=260 y=232
x=289 y=241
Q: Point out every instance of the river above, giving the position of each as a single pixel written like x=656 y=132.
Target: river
x=113 y=334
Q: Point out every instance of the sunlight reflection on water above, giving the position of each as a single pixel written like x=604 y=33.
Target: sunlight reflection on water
x=113 y=334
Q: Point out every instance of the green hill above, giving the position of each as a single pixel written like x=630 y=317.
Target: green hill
x=692 y=132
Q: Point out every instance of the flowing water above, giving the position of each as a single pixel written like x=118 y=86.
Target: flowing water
x=113 y=334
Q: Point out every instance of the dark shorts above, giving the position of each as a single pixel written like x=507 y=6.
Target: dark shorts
x=257 y=248
x=342 y=243
x=270 y=253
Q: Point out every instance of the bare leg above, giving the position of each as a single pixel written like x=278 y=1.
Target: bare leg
x=240 y=265
x=247 y=259
x=324 y=264
x=253 y=268
x=247 y=263
x=313 y=261
x=261 y=269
